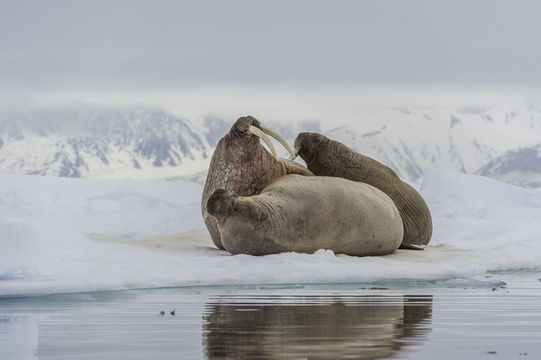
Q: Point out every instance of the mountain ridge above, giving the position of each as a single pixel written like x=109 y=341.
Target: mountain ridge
x=502 y=141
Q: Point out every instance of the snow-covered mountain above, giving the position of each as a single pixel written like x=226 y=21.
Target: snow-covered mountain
x=521 y=167
x=87 y=141
x=99 y=141
x=502 y=141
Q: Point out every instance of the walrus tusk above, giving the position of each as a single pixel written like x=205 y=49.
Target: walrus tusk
x=295 y=153
x=277 y=136
x=262 y=135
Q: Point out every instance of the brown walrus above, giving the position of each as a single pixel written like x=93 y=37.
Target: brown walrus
x=307 y=213
x=242 y=165
x=350 y=326
x=326 y=157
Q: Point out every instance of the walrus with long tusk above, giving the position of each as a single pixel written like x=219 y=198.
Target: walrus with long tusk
x=242 y=165
x=326 y=157
x=308 y=213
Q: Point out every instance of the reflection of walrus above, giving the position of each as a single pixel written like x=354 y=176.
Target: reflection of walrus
x=315 y=327
x=307 y=213
x=326 y=157
x=242 y=165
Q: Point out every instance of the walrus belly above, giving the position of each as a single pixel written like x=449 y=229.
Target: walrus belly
x=305 y=214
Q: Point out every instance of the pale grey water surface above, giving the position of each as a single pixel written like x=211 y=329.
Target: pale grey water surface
x=499 y=318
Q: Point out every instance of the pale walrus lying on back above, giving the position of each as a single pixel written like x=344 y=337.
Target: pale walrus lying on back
x=242 y=165
x=305 y=214
x=326 y=157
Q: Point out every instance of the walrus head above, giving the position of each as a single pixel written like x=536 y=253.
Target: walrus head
x=220 y=203
x=242 y=126
x=249 y=126
x=307 y=144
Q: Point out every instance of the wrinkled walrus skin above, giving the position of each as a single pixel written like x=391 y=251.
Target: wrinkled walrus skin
x=307 y=213
x=242 y=165
x=326 y=157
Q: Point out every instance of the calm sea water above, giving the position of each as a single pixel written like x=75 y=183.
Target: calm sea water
x=362 y=321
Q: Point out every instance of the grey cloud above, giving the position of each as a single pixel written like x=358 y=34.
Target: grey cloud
x=173 y=44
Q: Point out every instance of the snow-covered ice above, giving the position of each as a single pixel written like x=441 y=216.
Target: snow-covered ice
x=70 y=235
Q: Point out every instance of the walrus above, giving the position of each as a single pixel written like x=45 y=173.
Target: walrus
x=307 y=213
x=350 y=326
x=242 y=165
x=326 y=157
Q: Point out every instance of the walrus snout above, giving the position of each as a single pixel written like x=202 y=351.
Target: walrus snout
x=242 y=125
x=248 y=125
x=306 y=144
x=220 y=203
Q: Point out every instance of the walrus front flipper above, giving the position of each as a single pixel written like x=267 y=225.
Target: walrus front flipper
x=410 y=247
x=292 y=167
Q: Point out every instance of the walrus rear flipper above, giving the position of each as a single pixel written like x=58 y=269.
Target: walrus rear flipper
x=410 y=247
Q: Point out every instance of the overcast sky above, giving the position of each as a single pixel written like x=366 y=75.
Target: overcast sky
x=131 y=45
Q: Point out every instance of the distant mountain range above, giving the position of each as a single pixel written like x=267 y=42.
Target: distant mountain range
x=502 y=141
x=92 y=141
x=109 y=142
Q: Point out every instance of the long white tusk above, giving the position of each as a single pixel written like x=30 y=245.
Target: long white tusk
x=277 y=136
x=295 y=154
x=265 y=138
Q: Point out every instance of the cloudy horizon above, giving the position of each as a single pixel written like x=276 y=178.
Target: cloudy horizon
x=167 y=45
x=271 y=58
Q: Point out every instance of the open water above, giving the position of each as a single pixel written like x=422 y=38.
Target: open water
x=355 y=321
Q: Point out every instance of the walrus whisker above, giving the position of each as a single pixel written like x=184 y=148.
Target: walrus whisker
x=262 y=135
x=278 y=137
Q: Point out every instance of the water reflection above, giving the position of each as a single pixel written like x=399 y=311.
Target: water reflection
x=364 y=327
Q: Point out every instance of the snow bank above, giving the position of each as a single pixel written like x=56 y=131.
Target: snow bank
x=66 y=235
